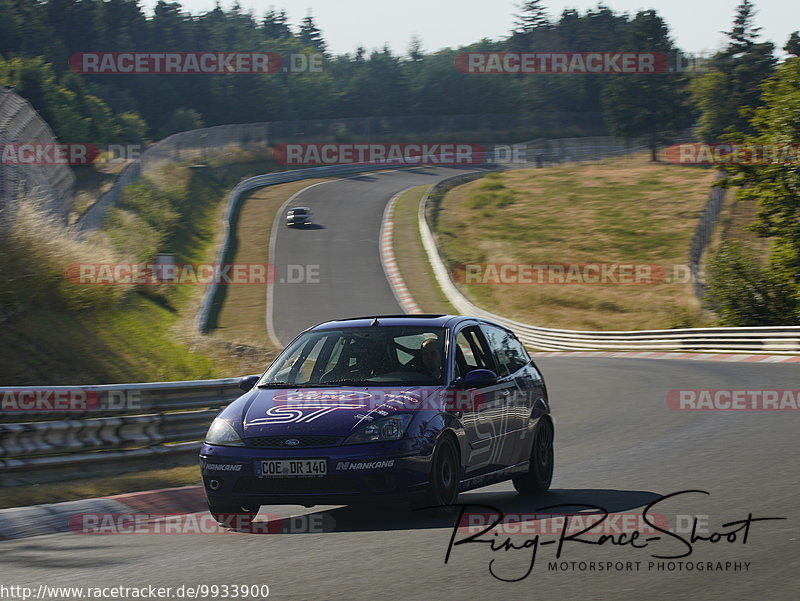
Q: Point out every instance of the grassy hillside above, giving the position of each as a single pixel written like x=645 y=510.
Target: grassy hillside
x=624 y=210
x=59 y=333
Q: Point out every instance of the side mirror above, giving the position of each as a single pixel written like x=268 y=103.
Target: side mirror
x=480 y=378
x=248 y=382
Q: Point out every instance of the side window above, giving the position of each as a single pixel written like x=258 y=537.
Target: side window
x=464 y=355
x=517 y=355
x=495 y=338
x=471 y=352
x=508 y=351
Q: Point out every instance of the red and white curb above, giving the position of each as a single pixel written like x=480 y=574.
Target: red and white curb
x=409 y=306
x=51 y=518
x=388 y=261
x=675 y=355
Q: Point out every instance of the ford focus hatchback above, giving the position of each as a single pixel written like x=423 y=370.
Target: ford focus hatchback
x=411 y=408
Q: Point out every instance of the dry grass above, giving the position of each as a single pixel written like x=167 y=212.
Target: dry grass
x=35 y=255
x=60 y=333
x=411 y=257
x=88 y=488
x=626 y=210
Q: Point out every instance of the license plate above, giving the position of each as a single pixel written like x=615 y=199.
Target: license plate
x=293 y=468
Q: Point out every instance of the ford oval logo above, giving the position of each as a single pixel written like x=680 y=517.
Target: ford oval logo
x=292 y=442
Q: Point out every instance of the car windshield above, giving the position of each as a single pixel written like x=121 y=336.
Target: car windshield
x=369 y=356
x=298 y=212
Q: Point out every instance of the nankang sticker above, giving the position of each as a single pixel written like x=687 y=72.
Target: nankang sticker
x=363 y=465
x=224 y=467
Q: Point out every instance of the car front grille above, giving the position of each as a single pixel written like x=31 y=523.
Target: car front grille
x=279 y=442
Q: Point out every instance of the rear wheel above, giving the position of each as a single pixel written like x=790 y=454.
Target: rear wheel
x=445 y=471
x=233 y=516
x=540 y=471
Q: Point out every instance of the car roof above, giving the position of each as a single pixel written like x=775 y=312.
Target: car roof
x=299 y=209
x=435 y=320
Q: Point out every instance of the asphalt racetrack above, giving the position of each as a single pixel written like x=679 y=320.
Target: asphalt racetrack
x=619 y=447
x=341 y=247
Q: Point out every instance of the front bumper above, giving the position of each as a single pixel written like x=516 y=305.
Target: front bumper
x=391 y=472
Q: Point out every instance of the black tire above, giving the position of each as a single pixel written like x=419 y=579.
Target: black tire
x=445 y=473
x=232 y=516
x=540 y=472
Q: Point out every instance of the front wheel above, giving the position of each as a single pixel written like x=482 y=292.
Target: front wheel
x=445 y=471
x=540 y=471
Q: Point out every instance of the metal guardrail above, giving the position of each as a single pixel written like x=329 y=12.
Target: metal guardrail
x=767 y=339
x=150 y=422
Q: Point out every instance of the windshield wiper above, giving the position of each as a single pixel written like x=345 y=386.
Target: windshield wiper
x=278 y=385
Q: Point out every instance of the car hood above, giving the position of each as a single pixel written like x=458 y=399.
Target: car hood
x=323 y=411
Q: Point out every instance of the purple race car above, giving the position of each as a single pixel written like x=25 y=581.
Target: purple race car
x=392 y=409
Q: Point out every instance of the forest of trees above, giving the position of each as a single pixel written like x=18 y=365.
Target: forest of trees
x=37 y=38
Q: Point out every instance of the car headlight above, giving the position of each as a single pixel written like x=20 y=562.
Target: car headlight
x=387 y=428
x=223 y=433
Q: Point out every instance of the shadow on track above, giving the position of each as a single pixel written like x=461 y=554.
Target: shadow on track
x=311 y=226
x=374 y=518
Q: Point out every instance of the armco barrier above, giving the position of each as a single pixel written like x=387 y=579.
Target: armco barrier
x=160 y=421
x=768 y=339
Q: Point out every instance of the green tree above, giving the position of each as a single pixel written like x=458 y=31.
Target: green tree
x=276 y=25
x=310 y=35
x=651 y=107
x=776 y=187
x=181 y=120
x=793 y=45
x=132 y=129
x=731 y=87
x=532 y=16
x=743 y=293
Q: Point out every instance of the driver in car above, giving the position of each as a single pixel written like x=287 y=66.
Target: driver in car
x=431 y=357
